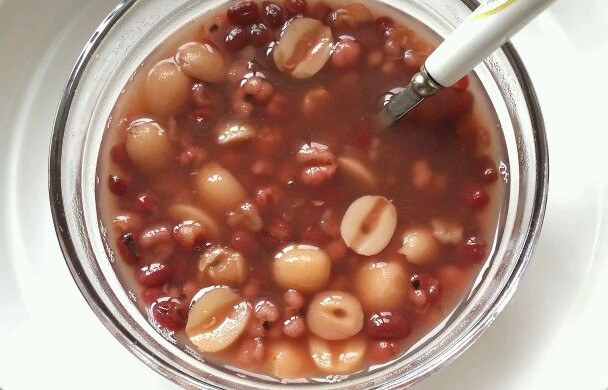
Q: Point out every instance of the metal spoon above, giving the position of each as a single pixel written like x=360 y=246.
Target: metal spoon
x=486 y=29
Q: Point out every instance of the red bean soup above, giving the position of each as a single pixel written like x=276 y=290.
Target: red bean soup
x=257 y=216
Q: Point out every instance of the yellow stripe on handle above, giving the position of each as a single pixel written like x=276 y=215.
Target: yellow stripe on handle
x=494 y=10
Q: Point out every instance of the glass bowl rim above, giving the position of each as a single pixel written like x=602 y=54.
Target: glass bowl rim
x=58 y=209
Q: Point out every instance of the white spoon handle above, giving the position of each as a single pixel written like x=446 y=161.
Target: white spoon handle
x=484 y=31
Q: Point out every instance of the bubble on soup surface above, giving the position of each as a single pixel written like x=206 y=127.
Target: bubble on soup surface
x=273 y=14
x=382 y=285
x=368 y=224
x=148 y=145
x=217 y=319
x=218 y=189
x=304 y=268
x=317 y=39
x=202 y=61
x=167 y=88
x=334 y=315
x=243 y=13
x=337 y=357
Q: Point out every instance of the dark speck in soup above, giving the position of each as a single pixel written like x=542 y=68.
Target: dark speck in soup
x=259 y=218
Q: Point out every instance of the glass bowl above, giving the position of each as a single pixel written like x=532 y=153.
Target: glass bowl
x=110 y=57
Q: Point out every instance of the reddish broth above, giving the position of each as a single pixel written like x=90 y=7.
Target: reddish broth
x=299 y=153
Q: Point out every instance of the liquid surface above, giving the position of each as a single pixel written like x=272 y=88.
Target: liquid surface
x=260 y=219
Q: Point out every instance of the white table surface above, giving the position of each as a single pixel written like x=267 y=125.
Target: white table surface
x=553 y=335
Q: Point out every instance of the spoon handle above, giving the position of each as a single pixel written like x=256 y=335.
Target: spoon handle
x=485 y=30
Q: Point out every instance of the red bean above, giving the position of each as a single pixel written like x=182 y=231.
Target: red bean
x=243 y=13
x=236 y=39
x=273 y=15
x=118 y=185
x=472 y=251
x=154 y=275
x=147 y=202
x=119 y=155
x=294 y=327
x=294 y=299
x=486 y=170
x=461 y=84
x=245 y=242
x=382 y=351
x=265 y=310
x=427 y=284
x=318 y=165
x=128 y=250
x=388 y=326
x=278 y=232
x=259 y=34
x=475 y=196
x=347 y=53
x=295 y=7
x=168 y=313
